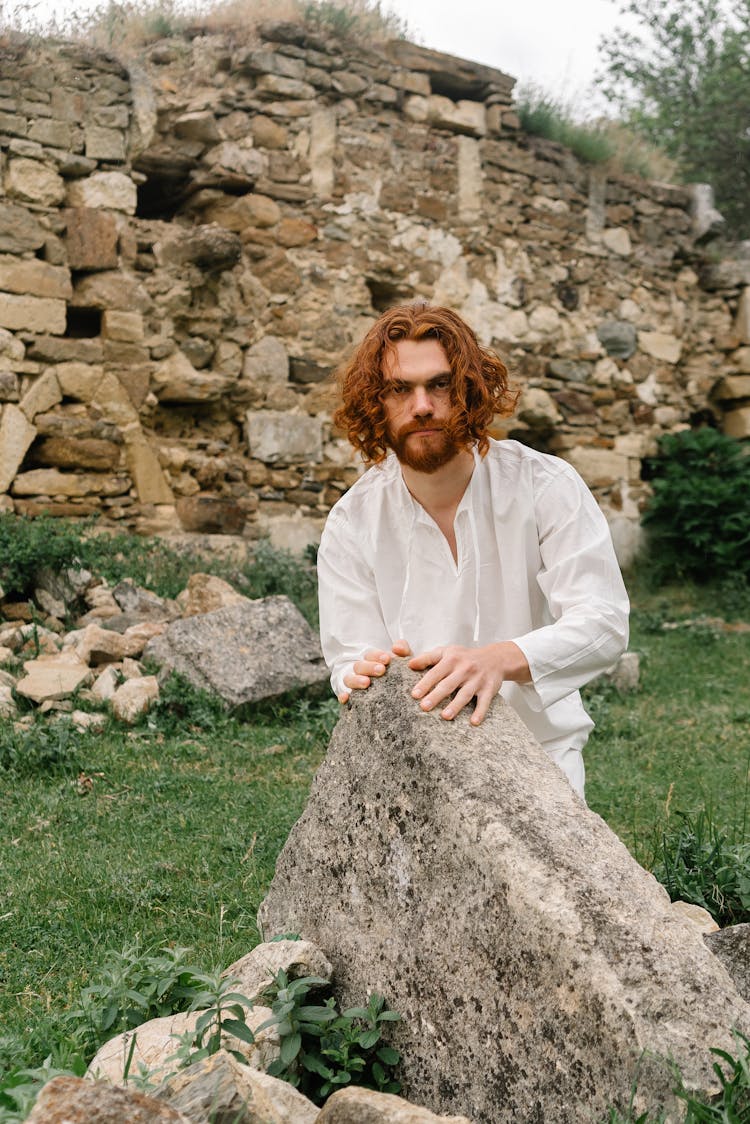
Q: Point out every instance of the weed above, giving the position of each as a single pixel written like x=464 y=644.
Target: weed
x=44 y=748
x=135 y=985
x=29 y=545
x=544 y=115
x=223 y=1013
x=181 y=706
x=697 y=863
x=322 y=1049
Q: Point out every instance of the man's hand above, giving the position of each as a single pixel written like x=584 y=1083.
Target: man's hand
x=372 y=666
x=470 y=672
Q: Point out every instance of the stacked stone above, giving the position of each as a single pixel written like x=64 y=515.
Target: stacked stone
x=208 y=235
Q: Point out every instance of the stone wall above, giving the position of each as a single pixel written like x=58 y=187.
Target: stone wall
x=191 y=243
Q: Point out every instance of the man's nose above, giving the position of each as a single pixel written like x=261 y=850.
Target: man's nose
x=422 y=401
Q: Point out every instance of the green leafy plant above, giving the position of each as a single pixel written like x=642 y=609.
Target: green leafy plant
x=28 y=545
x=323 y=1049
x=732 y=1105
x=697 y=862
x=699 y=516
x=45 y=747
x=135 y=985
x=223 y=1012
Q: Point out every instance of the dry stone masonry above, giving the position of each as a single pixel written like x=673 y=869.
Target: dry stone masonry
x=189 y=244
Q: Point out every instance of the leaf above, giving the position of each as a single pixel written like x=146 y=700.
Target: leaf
x=356 y=1013
x=388 y=1055
x=290 y=1047
x=316 y=1014
x=368 y=1038
x=239 y=1029
x=315 y=1064
x=389 y=1017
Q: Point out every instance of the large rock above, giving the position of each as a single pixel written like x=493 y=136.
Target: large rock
x=53 y=677
x=71 y=1100
x=245 y=652
x=221 y=1089
x=364 y=1106
x=16 y=435
x=732 y=947
x=539 y=970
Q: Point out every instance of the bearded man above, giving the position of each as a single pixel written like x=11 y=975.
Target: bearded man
x=487 y=563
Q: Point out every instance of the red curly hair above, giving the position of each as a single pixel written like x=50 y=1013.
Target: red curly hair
x=479 y=390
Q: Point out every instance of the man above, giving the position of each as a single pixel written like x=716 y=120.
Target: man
x=489 y=564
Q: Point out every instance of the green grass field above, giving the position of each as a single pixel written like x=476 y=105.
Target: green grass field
x=167 y=834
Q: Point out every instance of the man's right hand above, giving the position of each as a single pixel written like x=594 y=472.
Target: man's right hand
x=372 y=666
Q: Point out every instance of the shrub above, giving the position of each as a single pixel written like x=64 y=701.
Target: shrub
x=28 y=545
x=545 y=115
x=322 y=1049
x=698 y=863
x=699 y=516
x=46 y=747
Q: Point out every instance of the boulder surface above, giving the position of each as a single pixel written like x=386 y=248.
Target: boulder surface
x=244 y=652
x=539 y=970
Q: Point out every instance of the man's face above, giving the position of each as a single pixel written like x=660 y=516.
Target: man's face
x=417 y=402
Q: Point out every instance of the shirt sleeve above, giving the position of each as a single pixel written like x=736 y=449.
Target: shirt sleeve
x=584 y=591
x=351 y=621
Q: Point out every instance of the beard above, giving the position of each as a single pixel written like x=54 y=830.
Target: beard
x=424 y=454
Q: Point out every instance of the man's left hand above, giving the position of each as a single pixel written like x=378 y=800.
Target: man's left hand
x=470 y=672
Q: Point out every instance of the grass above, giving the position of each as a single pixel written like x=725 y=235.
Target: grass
x=167 y=834
x=683 y=742
x=593 y=140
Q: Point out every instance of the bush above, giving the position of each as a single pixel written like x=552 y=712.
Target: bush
x=698 y=863
x=29 y=545
x=544 y=115
x=699 y=516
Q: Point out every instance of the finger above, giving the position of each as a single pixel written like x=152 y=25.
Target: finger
x=369 y=667
x=456 y=705
x=356 y=682
x=425 y=659
x=401 y=648
x=484 y=698
x=442 y=690
x=376 y=656
x=344 y=697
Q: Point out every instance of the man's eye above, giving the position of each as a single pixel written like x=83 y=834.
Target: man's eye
x=442 y=385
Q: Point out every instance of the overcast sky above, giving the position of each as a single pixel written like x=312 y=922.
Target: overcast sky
x=549 y=42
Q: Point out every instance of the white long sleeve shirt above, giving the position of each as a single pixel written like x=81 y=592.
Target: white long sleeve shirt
x=535 y=565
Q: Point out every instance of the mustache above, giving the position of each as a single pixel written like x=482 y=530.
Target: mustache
x=417 y=427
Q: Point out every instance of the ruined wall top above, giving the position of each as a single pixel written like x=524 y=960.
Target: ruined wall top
x=190 y=243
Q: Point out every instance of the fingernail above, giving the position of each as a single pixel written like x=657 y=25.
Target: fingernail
x=447 y=714
x=378 y=668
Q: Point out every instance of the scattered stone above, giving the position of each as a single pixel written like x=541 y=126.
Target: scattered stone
x=625 y=675
x=204 y=593
x=698 y=915
x=245 y=652
x=255 y=971
x=95 y=645
x=452 y=869
x=133 y=698
x=88 y=723
x=8 y=708
x=73 y=1100
x=364 y=1106
x=142 y=603
x=222 y=1088
x=106 y=683
x=53 y=677
x=157 y=1042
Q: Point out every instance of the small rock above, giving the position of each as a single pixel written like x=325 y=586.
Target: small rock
x=133 y=698
x=131 y=669
x=8 y=708
x=53 y=677
x=204 y=593
x=96 y=645
x=364 y=1106
x=83 y=721
x=625 y=675
x=256 y=970
x=6 y=654
x=50 y=604
x=221 y=1088
x=72 y=1100
x=106 y=683
x=157 y=1041
x=142 y=603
